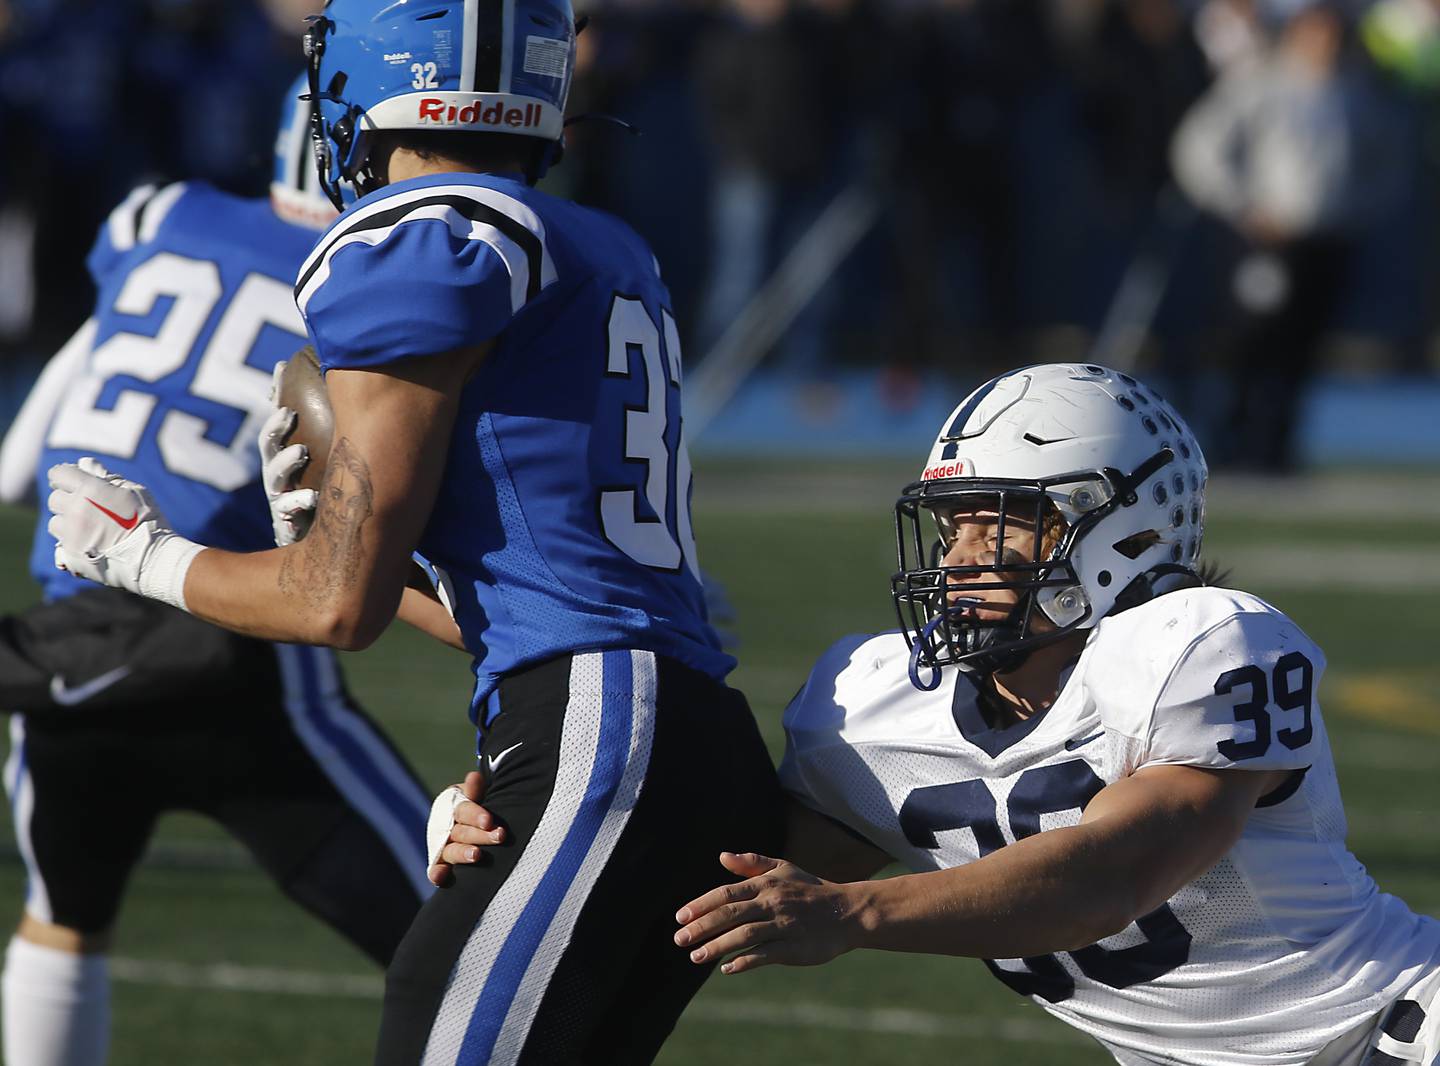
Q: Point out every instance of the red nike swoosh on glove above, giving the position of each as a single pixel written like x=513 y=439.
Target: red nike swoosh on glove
x=123 y=523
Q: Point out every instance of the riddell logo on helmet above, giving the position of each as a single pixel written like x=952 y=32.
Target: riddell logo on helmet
x=959 y=468
x=497 y=114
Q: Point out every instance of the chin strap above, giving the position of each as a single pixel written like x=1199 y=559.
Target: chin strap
x=365 y=181
x=600 y=116
x=976 y=639
x=1167 y=577
x=552 y=154
x=998 y=662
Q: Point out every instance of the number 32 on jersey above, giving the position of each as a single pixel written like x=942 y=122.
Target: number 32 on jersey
x=658 y=542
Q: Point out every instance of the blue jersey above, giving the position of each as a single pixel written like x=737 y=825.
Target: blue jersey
x=194 y=310
x=563 y=519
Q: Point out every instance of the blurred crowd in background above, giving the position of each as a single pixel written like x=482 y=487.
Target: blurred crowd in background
x=1226 y=193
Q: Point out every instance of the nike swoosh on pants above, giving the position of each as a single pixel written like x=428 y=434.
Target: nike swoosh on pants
x=66 y=696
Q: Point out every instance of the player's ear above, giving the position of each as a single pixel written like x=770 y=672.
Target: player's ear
x=543 y=157
x=382 y=148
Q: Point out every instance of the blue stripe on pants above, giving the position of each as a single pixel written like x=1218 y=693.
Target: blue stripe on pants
x=412 y=810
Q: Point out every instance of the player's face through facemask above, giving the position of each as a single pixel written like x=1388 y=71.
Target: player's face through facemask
x=989 y=553
x=974 y=566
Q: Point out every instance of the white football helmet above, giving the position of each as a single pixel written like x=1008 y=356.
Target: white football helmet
x=1095 y=446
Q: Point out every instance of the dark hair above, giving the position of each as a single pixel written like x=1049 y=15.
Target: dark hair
x=1212 y=573
x=487 y=153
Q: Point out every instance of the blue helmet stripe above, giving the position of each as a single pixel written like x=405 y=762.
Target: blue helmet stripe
x=507 y=34
x=469 y=43
x=489 y=43
x=957 y=426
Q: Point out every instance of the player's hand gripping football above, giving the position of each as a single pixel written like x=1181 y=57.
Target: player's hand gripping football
x=779 y=914
x=109 y=530
x=459 y=827
x=291 y=507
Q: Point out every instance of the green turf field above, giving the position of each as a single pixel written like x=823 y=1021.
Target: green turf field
x=213 y=966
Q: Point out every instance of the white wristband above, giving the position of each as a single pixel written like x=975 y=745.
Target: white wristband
x=442 y=820
x=162 y=574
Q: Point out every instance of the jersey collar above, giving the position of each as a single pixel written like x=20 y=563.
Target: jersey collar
x=965 y=708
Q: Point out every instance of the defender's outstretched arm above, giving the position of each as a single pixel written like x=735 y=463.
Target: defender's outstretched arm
x=1141 y=839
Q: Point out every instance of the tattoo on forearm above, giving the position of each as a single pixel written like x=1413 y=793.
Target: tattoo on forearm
x=330 y=563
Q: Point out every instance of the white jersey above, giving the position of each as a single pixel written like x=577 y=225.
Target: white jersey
x=1285 y=945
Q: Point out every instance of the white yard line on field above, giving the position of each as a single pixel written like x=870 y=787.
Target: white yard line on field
x=868 y=488
x=229 y=977
x=226 y=977
x=1352 y=567
x=1395 y=494
x=897 y=1020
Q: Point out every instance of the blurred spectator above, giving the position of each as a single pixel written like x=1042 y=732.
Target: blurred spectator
x=214 y=65
x=288 y=16
x=1138 y=70
x=960 y=70
x=1229 y=33
x=772 y=89
x=1293 y=153
x=614 y=55
x=1403 y=38
x=1016 y=148
x=637 y=61
x=65 y=141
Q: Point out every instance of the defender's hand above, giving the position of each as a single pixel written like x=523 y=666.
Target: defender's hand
x=280 y=467
x=109 y=530
x=781 y=914
x=459 y=828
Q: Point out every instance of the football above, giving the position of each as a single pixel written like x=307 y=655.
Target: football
x=302 y=389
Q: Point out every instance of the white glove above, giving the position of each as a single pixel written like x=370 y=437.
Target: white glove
x=108 y=529
x=290 y=508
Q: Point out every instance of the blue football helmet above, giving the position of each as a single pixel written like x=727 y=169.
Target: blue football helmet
x=486 y=66
x=295 y=191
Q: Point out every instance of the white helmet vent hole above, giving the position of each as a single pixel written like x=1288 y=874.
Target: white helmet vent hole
x=1104 y=578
